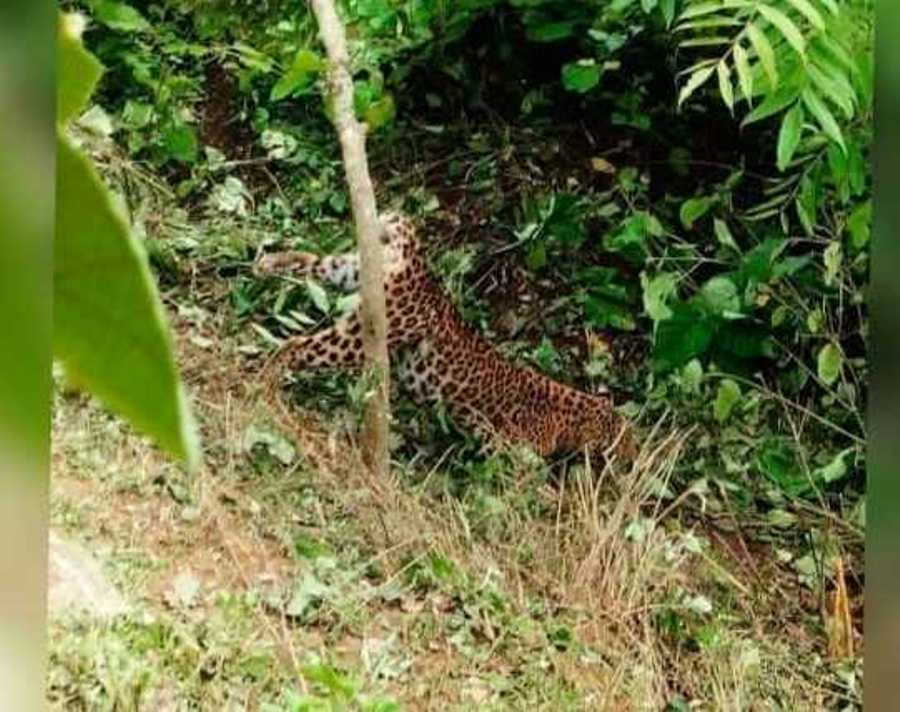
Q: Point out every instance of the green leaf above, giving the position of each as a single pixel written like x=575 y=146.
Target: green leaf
x=707 y=24
x=829 y=363
x=695 y=208
x=656 y=292
x=180 y=142
x=692 y=375
x=318 y=296
x=342 y=687
x=859 y=225
x=764 y=51
x=788 y=266
x=137 y=114
x=777 y=460
x=824 y=116
x=686 y=335
x=716 y=41
x=380 y=112
x=696 y=80
x=815 y=321
x=836 y=469
x=789 y=135
x=833 y=259
x=807 y=9
x=744 y=72
x=740 y=341
x=537 y=256
x=720 y=296
x=77 y=70
x=858 y=169
x=700 y=9
x=727 y=396
x=723 y=233
x=550 y=31
x=667 y=7
x=835 y=86
x=303 y=70
x=786 y=26
x=581 y=76
x=756 y=265
x=772 y=104
x=120 y=16
x=253 y=59
x=109 y=329
x=725 y=87
x=807 y=203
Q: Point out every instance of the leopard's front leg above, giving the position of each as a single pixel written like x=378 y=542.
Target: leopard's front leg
x=340 y=270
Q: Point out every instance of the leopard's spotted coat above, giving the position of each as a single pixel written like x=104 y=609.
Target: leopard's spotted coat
x=441 y=358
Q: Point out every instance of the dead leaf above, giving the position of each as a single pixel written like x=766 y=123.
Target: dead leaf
x=601 y=165
x=838 y=624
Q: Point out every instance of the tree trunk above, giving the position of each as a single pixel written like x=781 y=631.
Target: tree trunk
x=352 y=135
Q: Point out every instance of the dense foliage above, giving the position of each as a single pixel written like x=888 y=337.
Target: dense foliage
x=668 y=197
x=739 y=246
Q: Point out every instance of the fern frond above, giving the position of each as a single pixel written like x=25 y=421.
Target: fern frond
x=780 y=54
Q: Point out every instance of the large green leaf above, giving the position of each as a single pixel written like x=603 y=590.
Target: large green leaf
x=180 y=142
x=109 y=329
x=77 y=70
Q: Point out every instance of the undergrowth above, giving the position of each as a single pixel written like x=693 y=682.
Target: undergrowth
x=589 y=229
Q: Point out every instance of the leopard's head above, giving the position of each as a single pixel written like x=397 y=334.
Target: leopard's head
x=606 y=431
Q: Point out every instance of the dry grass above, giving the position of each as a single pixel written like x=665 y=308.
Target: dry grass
x=597 y=550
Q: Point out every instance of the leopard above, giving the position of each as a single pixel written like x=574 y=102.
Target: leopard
x=442 y=360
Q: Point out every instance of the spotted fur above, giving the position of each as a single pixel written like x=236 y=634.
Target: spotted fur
x=441 y=359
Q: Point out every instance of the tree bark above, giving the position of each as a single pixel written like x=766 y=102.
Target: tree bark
x=352 y=136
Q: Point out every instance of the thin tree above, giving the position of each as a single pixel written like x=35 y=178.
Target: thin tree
x=352 y=136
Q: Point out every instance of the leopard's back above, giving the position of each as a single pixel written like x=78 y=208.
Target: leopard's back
x=443 y=359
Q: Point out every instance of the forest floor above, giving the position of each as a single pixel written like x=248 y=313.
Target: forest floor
x=262 y=580
x=271 y=580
